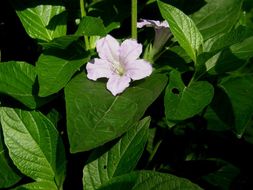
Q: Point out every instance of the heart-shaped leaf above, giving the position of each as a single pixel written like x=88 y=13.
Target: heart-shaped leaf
x=182 y=102
x=97 y=117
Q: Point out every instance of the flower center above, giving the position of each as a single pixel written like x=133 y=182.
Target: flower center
x=118 y=68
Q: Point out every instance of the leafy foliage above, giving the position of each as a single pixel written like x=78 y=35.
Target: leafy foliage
x=172 y=130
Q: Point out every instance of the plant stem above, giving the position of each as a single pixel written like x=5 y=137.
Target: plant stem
x=83 y=14
x=134 y=19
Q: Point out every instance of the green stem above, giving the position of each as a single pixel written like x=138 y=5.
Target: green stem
x=154 y=152
x=83 y=14
x=134 y=19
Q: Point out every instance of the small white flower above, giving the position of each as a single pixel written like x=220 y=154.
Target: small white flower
x=119 y=63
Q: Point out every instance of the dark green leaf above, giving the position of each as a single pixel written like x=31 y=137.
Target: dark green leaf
x=61 y=42
x=223 y=177
x=43 y=185
x=8 y=173
x=97 y=117
x=34 y=144
x=56 y=66
x=120 y=159
x=112 y=12
x=182 y=102
x=217 y=16
x=149 y=180
x=18 y=80
x=243 y=50
x=233 y=37
x=222 y=62
x=91 y=26
x=240 y=92
x=42 y=21
x=183 y=28
x=213 y=121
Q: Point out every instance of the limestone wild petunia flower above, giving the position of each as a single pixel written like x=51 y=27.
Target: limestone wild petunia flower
x=119 y=63
x=162 y=34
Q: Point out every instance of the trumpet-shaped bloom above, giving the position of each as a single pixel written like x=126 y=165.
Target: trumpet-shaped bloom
x=119 y=63
x=162 y=34
x=152 y=23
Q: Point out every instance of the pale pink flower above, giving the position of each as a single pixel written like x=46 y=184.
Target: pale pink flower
x=162 y=34
x=119 y=63
x=152 y=23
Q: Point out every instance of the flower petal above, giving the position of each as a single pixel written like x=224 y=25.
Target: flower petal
x=152 y=23
x=117 y=84
x=130 y=50
x=138 y=69
x=98 y=68
x=108 y=49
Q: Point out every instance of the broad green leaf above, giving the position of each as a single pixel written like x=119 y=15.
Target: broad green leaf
x=112 y=12
x=235 y=36
x=96 y=116
x=182 y=102
x=60 y=42
x=217 y=16
x=243 y=50
x=42 y=21
x=56 y=66
x=91 y=26
x=214 y=122
x=240 y=92
x=120 y=159
x=224 y=176
x=8 y=173
x=34 y=144
x=40 y=185
x=17 y=79
x=183 y=28
x=149 y=180
x=222 y=62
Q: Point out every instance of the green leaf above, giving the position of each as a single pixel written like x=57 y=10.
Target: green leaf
x=182 y=102
x=120 y=159
x=183 y=28
x=243 y=50
x=112 y=12
x=97 y=117
x=91 y=26
x=34 y=144
x=42 y=21
x=61 y=42
x=235 y=36
x=149 y=180
x=224 y=176
x=213 y=120
x=56 y=66
x=240 y=92
x=37 y=185
x=222 y=62
x=8 y=173
x=217 y=16
x=17 y=80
